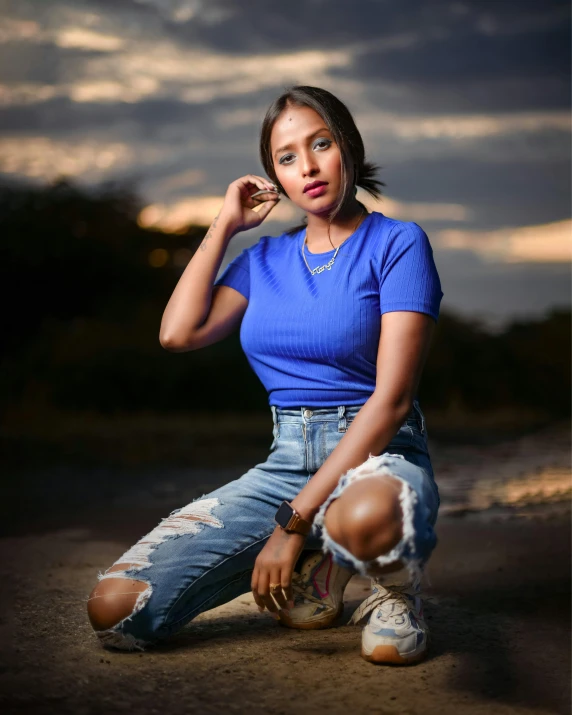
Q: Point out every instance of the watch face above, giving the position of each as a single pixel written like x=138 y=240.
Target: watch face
x=284 y=514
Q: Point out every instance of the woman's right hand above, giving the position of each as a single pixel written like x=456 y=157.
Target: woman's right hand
x=238 y=206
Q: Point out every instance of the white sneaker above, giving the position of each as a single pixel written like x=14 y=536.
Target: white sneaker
x=395 y=631
x=318 y=592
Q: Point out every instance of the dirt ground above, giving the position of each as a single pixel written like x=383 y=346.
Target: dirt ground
x=498 y=606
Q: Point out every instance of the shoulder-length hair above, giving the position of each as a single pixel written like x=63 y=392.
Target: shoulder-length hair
x=341 y=124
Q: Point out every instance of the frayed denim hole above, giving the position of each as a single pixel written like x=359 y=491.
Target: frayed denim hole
x=115 y=637
x=405 y=550
x=176 y=525
x=185 y=521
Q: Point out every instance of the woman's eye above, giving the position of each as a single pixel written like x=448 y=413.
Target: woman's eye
x=325 y=142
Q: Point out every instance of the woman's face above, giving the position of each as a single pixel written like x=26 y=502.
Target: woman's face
x=304 y=151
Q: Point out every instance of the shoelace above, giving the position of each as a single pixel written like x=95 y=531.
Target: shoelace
x=392 y=603
x=303 y=589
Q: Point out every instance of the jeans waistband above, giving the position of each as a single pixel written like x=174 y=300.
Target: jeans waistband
x=341 y=414
x=315 y=414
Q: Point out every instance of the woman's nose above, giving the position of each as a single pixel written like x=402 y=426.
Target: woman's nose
x=309 y=164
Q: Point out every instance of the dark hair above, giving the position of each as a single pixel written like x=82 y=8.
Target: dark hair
x=340 y=122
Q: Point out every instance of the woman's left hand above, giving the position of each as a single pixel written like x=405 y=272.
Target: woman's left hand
x=275 y=564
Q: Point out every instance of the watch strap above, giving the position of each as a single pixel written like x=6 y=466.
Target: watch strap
x=291 y=521
x=299 y=525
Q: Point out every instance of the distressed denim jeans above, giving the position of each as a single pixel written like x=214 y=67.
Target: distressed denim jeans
x=202 y=555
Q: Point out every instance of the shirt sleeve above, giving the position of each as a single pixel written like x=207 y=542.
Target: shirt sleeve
x=408 y=275
x=237 y=274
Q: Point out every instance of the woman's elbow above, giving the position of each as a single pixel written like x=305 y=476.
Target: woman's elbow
x=174 y=344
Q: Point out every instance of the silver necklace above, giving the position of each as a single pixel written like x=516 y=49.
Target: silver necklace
x=330 y=263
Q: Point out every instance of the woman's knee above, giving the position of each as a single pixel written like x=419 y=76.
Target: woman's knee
x=114 y=599
x=366 y=519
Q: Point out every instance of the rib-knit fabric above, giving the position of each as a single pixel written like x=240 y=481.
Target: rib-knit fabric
x=312 y=340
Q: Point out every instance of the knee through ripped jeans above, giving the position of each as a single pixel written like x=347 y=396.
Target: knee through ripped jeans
x=202 y=555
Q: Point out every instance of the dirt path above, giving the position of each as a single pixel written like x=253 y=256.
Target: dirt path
x=498 y=607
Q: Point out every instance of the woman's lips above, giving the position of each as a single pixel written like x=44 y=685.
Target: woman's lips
x=317 y=191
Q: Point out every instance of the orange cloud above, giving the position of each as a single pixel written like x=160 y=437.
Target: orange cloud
x=201 y=210
x=551 y=242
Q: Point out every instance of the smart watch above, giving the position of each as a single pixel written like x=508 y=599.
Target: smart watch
x=289 y=519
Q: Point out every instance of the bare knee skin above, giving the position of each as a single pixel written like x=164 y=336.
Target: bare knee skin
x=113 y=599
x=366 y=519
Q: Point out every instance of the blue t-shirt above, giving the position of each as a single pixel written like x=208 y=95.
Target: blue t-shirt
x=312 y=339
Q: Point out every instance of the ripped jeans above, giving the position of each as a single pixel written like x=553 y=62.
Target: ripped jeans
x=202 y=555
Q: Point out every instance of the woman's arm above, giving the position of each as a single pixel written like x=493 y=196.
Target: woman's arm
x=403 y=346
x=190 y=303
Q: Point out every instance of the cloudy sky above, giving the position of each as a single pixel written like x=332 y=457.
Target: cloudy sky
x=465 y=105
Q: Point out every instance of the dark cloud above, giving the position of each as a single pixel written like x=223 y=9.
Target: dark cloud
x=475 y=72
x=500 y=292
x=500 y=194
x=444 y=32
x=41 y=62
x=496 y=94
x=465 y=57
x=60 y=116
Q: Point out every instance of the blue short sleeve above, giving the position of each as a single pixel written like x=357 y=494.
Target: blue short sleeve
x=237 y=274
x=408 y=276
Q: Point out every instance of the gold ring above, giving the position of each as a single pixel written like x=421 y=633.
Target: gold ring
x=275 y=586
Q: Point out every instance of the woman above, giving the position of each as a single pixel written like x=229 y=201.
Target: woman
x=336 y=317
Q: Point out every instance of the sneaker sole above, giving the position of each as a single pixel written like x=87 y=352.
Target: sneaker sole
x=390 y=655
x=326 y=622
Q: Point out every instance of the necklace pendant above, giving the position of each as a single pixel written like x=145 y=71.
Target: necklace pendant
x=328 y=265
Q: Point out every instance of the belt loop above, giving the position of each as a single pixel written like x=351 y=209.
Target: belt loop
x=342 y=424
x=275 y=421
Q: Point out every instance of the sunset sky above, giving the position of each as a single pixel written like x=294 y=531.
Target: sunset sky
x=465 y=105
